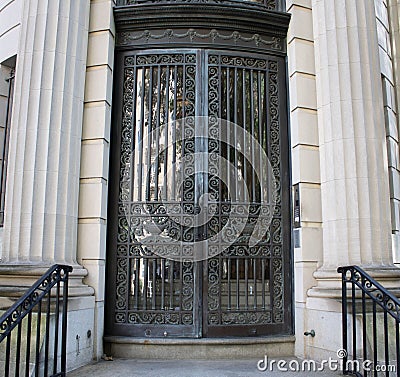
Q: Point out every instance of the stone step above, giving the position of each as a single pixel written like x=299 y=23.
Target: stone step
x=206 y=348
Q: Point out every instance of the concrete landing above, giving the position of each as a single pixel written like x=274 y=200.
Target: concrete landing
x=188 y=368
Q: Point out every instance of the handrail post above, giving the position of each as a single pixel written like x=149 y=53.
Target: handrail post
x=64 y=326
x=344 y=320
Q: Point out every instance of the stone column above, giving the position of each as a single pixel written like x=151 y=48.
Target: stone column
x=45 y=141
x=354 y=168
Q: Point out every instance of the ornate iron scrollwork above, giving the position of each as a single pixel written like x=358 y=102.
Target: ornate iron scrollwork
x=160 y=184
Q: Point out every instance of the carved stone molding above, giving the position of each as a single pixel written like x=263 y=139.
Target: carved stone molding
x=193 y=36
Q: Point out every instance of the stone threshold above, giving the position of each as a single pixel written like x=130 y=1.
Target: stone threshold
x=203 y=348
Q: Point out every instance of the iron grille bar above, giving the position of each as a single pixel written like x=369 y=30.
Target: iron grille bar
x=28 y=344
x=229 y=284
x=245 y=192
x=141 y=133
x=21 y=312
x=133 y=136
x=146 y=282
x=18 y=350
x=149 y=135
x=398 y=345
x=174 y=118
x=260 y=128
x=47 y=337
x=162 y=283
x=364 y=325
x=253 y=261
x=166 y=146
x=158 y=113
x=8 y=350
x=375 y=337
x=171 y=284
x=56 y=322
x=263 y=283
x=246 y=283
x=252 y=115
x=235 y=120
x=376 y=301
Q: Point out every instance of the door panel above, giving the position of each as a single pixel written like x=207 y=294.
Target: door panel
x=150 y=294
x=245 y=283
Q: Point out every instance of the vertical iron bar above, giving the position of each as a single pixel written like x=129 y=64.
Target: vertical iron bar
x=364 y=324
x=145 y=282
x=386 y=336
x=180 y=284
x=263 y=283
x=8 y=351
x=153 y=297
x=56 y=326
x=37 y=345
x=47 y=336
x=18 y=350
x=158 y=114
x=228 y=131
x=271 y=290
x=237 y=285
x=28 y=345
x=246 y=283
x=137 y=274
x=140 y=136
x=353 y=316
x=166 y=125
x=64 y=325
x=173 y=184
x=183 y=130
x=344 y=319
x=171 y=284
x=149 y=136
x=375 y=339
x=229 y=283
x=260 y=135
x=162 y=283
x=397 y=329
x=133 y=136
x=253 y=176
x=244 y=135
x=254 y=261
x=235 y=112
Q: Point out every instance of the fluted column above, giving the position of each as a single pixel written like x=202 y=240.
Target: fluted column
x=45 y=140
x=354 y=169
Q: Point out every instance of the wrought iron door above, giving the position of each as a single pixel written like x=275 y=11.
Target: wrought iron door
x=199 y=241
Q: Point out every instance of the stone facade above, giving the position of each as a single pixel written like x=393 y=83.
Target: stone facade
x=343 y=64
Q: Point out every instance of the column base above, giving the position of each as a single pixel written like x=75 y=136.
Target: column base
x=329 y=281
x=323 y=309
x=16 y=279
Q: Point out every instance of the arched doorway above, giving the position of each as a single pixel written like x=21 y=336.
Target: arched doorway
x=199 y=210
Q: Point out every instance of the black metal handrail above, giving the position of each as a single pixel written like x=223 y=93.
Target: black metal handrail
x=370 y=320
x=20 y=345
